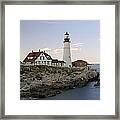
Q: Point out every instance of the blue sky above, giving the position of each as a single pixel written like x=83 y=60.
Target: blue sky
x=48 y=35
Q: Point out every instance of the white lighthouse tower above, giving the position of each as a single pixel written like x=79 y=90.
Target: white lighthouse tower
x=66 y=52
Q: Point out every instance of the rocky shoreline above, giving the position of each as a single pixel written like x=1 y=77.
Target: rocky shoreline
x=45 y=81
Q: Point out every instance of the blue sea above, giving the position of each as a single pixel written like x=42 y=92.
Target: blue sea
x=95 y=66
x=88 y=92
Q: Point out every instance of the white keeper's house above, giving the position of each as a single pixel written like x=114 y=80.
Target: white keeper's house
x=42 y=58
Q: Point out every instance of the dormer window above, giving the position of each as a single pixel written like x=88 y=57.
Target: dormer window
x=30 y=57
x=48 y=57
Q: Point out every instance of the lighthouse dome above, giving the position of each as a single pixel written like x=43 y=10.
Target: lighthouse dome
x=66 y=37
x=66 y=33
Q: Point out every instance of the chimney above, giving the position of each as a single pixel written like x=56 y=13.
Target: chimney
x=39 y=50
x=44 y=51
x=32 y=51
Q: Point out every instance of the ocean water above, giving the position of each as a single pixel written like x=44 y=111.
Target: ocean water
x=96 y=66
x=88 y=92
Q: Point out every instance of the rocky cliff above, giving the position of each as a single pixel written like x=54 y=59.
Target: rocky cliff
x=44 y=81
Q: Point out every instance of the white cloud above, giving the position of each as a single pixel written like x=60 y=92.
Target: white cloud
x=45 y=49
x=57 y=50
x=75 y=49
x=77 y=44
x=57 y=53
x=60 y=50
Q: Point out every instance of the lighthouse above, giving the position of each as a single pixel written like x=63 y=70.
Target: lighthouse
x=66 y=50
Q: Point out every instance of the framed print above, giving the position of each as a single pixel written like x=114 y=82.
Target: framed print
x=59 y=59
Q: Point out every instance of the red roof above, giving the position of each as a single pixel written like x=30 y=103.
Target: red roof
x=34 y=56
x=79 y=63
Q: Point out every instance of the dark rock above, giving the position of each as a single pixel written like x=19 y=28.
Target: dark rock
x=44 y=81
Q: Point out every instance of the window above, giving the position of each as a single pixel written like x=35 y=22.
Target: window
x=43 y=58
x=48 y=57
x=30 y=57
x=40 y=57
x=45 y=62
x=69 y=65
